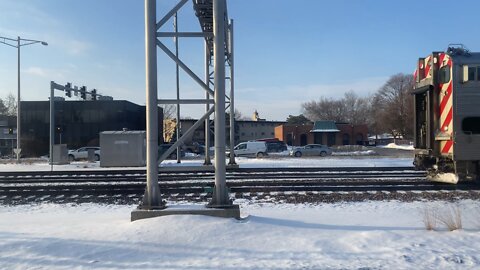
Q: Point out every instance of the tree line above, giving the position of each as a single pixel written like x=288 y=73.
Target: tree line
x=389 y=110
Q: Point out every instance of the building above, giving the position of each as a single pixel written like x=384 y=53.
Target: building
x=323 y=132
x=245 y=130
x=8 y=135
x=78 y=123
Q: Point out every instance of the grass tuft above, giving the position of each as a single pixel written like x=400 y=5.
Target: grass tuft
x=430 y=217
x=451 y=218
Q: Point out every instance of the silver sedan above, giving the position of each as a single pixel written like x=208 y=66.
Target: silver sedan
x=311 y=150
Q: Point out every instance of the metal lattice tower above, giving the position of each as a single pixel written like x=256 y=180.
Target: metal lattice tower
x=217 y=31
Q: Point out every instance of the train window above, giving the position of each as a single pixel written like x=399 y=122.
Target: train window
x=471 y=125
x=444 y=74
x=478 y=73
x=471 y=73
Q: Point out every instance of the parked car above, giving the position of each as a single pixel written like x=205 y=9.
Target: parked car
x=274 y=145
x=162 y=148
x=196 y=148
x=278 y=146
x=311 y=150
x=253 y=148
x=82 y=153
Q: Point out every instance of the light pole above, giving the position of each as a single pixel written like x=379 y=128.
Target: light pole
x=19 y=43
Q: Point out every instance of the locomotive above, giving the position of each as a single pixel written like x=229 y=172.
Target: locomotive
x=447 y=115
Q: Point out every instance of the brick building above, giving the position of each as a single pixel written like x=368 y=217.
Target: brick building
x=322 y=132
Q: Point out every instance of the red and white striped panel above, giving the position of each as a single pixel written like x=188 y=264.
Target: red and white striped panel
x=423 y=70
x=428 y=67
x=446 y=106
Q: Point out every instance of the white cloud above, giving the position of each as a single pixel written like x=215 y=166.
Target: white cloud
x=77 y=47
x=52 y=74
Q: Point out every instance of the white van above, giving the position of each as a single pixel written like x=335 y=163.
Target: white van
x=255 y=149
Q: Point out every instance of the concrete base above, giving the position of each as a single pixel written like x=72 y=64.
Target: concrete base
x=232 y=166
x=230 y=212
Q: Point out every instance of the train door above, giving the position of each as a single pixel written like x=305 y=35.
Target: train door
x=422 y=120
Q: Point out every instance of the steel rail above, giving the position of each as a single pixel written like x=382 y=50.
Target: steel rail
x=206 y=176
x=252 y=186
x=123 y=186
x=6 y=174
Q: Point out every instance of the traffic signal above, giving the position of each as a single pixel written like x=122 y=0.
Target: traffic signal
x=58 y=129
x=94 y=94
x=83 y=92
x=10 y=130
x=68 y=90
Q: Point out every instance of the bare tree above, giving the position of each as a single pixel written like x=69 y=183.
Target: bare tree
x=8 y=106
x=324 y=109
x=239 y=116
x=350 y=108
x=3 y=108
x=298 y=120
x=395 y=105
x=169 y=122
x=375 y=116
x=11 y=103
x=169 y=111
x=356 y=108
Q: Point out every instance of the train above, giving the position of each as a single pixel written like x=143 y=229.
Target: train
x=446 y=96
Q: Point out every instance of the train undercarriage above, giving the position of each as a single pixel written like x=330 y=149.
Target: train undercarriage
x=446 y=170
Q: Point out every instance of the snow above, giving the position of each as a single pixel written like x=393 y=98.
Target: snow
x=243 y=162
x=444 y=178
x=361 y=235
x=286 y=162
x=395 y=146
x=355 y=153
x=368 y=235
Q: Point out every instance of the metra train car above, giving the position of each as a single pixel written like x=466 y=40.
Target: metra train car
x=447 y=115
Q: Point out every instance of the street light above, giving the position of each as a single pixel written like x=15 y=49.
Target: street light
x=19 y=43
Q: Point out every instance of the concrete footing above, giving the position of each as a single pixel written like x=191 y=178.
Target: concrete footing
x=228 y=212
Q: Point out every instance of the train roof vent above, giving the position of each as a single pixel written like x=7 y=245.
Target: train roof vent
x=458 y=49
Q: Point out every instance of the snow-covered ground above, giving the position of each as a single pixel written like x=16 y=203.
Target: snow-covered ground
x=274 y=161
x=363 y=235
x=368 y=235
x=306 y=162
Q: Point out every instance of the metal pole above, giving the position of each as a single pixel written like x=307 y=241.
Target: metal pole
x=18 y=101
x=175 y=25
x=207 y=107
x=232 y=103
x=220 y=197
x=52 y=122
x=153 y=198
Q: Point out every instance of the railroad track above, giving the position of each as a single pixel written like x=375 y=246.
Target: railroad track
x=128 y=186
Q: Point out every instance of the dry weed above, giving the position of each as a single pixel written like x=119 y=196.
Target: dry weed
x=451 y=218
x=430 y=217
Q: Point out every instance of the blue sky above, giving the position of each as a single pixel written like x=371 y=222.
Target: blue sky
x=286 y=52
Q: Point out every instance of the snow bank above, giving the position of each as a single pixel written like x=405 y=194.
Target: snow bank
x=395 y=146
x=355 y=153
